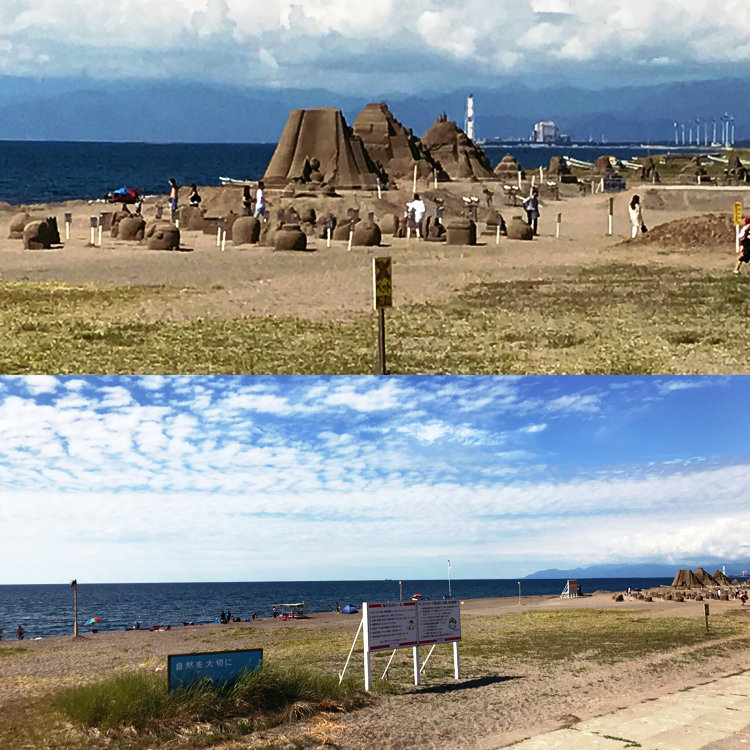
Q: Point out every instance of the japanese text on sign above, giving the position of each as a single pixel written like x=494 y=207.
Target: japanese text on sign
x=737 y=214
x=391 y=625
x=222 y=667
x=382 y=279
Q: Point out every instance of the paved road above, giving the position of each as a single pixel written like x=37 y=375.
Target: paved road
x=714 y=716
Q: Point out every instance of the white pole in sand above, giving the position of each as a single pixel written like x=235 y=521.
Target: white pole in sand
x=351 y=237
x=68 y=222
x=533 y=181
x=497 y=236
x=94 y=222
x=380 y=192
x=417 y=676
x=434 y=178
x=99 y=233
x=223 y=240
x=456 y=662
x=519 y=179
x=611 y=216
x=328 y=236
x=541 y=175
x=415 y=179
x=559 y=222
x=218 y=236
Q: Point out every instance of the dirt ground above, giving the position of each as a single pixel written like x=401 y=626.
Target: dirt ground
x=523 y=698
x=335 y=284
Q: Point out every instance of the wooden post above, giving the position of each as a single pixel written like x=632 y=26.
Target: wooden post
x=74 y=584
x=559 y=222
x=381 y=341
x=706 y=611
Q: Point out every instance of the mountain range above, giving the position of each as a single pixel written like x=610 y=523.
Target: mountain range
x=643 y=570
x=85 y=109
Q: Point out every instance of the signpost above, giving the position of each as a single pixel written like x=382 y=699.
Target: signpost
x=382 y=280
x=220 y=667
x=74 y=584
x=390 y=626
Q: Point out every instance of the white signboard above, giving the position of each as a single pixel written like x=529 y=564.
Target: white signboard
x=439 y=621
x=390 y=625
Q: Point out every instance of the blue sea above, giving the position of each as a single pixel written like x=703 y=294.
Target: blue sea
x=52 y=171
x=47 y=610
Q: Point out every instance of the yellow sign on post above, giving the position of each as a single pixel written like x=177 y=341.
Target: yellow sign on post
x=737 y=214
x=382 y=279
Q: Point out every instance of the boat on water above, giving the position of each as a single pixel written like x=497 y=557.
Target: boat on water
x=235 y=182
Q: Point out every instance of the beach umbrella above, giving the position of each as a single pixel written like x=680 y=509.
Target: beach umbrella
x=92 y=621
x=417 y=596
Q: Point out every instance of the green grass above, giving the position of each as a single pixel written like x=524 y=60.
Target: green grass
x=603 y=636
x=139 y=702
x=613 y=319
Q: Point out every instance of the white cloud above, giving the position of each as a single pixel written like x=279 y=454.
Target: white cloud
x=296 y=42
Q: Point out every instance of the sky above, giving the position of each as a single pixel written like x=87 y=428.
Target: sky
x=387 y=46
x=138 y=479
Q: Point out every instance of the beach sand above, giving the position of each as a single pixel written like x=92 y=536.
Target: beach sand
x=333 y=284
x=493 y=704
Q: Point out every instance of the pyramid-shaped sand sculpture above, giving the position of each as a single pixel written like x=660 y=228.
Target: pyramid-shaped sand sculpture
x=686 y=579
x=398 y=150
x=317 y=146
x=459 y=156
x=721 y=579
x=705 y=578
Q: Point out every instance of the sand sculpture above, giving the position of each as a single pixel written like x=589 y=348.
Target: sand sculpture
x=559 y=169
x=461 y=231
x=317 y=147
x=131 y=229
x=246 y=231
x=685 y=578
x=162 y=235
x=366 y=234
x=492 y=220
x=518 y=229
x=704 y=578
x=17 y=223
x=721 y=579
x=460 y=157
x=41 y=235
x=393 y=146
x=290 y=237
x=507 y=170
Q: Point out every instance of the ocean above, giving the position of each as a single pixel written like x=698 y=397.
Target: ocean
x=47 y=610
x=52 y=171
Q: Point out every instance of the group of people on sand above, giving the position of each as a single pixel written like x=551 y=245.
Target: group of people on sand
x=251 y=205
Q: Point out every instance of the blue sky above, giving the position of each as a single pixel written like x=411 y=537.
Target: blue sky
x=381 y=46
x=179 y=479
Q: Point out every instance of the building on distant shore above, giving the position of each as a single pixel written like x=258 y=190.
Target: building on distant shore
x=547 y=132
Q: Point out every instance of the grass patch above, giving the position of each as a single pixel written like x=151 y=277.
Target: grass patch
x=611 y=318
x=599 y=636
x=139 y=705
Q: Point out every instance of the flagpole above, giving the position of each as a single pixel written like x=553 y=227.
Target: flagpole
x=449 y=578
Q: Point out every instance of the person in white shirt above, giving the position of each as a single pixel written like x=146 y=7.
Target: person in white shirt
x=260 y=201
x=744 y=253
x=416 y=211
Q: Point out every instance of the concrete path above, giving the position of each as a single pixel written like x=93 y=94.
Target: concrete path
x=714 y=716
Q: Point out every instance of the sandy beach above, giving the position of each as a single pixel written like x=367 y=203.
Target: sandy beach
x=494 y=704
x=333 y=284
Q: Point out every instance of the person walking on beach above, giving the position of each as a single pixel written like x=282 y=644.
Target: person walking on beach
x=19 y=632
x=194 y=199
x=173 y=198
x=531 y=206
x=260 y=202
x=744 y=251
x=636 y=216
